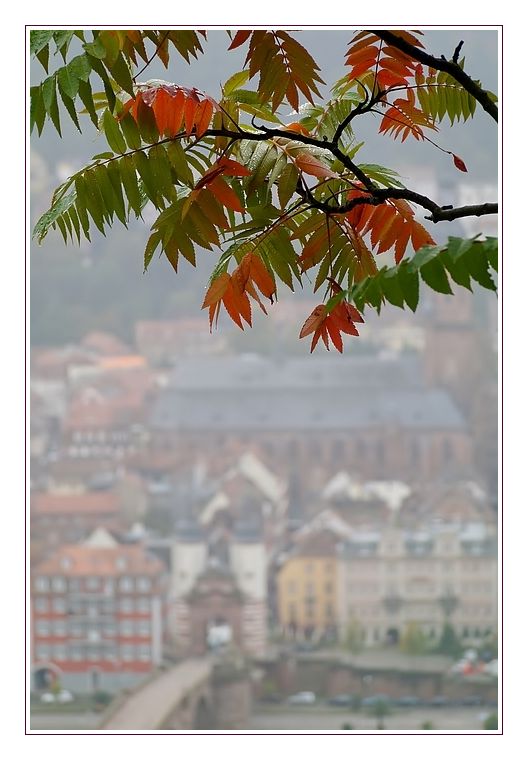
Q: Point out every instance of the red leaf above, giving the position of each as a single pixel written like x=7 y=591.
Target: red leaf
x=240 y=37
x=459 y=163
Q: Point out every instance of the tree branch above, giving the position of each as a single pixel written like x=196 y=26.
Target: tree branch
x=442 y=64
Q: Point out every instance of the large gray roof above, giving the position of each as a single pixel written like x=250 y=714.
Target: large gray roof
x=250 y=393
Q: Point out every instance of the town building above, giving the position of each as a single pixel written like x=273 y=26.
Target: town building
x=392 y=578
x=97 y=615
x=370 y=415
x=218 y=581
x=307 y=591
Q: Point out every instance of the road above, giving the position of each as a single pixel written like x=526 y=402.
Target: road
x=318 y=718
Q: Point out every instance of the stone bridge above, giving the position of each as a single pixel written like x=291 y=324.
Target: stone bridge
x=197 y=694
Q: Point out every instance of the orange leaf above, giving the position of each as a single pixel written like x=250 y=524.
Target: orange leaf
x=225 y=194
x=310 y=165
x=216 y=290
x=260 y=276
x=189 y=111
x=176 y=113
x=232 y=168
x=314 y=321
x=203 y=116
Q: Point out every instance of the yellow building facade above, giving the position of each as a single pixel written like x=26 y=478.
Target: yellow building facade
x=307 y=588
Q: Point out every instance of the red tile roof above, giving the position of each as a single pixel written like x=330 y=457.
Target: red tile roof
x=91 y=503
x=82 y=560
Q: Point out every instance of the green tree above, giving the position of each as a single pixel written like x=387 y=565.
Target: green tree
x=353 y=637
x=277 y=200
x=449 y=643
x=380 y=709
x=491 y=723
x=413 y=640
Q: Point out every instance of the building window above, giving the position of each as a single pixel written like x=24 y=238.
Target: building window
x=127 y=653
x=75 y=630
x=126 y=583
x=144 y=652
x=143 y=584
x=74 y=584
x=292 y=587
x=126 y=604
x=41 y=604
x=329 y=588
x=92 y=583
x=143 y=628
x=58 y=584
x=58 y=604
x=42 y=584
x=76 y=652
x=110 y=630
x=42 y=628
x=59 y=652
x=42 y=651
x=143 y=604
x=126 y=628
x=59 y=628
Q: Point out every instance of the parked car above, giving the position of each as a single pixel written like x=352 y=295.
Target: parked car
x=439 y=701
x=374 y=699
x=471 y=700
x=65 y=696
x=272 y=698
x=47 y=698
x=302 y=698
x=409 y=700
x=342 y=700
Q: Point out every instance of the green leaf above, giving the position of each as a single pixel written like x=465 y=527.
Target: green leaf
x=178 y=160
x=62 y=39
x=152 y=243
x=434 y=274
x=39 y=39
x=421 y=257
x=457 y=270
x=131 y=132
x=114 y=175
x=121 y=73
x=85 y=94
x=80 y=67
x=70 y=107
x=37 y=110
x=161 y=170
x=43 y=57
x=129 y=178
x=68 y=81
x=113 y=133
x=477 y=265
x=235 y=82
x=95 y=49
x=50 y=217
x=287 y=183
x=491 y=247
x=409 y=284
x=49 y=95
x=391 y=287
x=145 y=171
